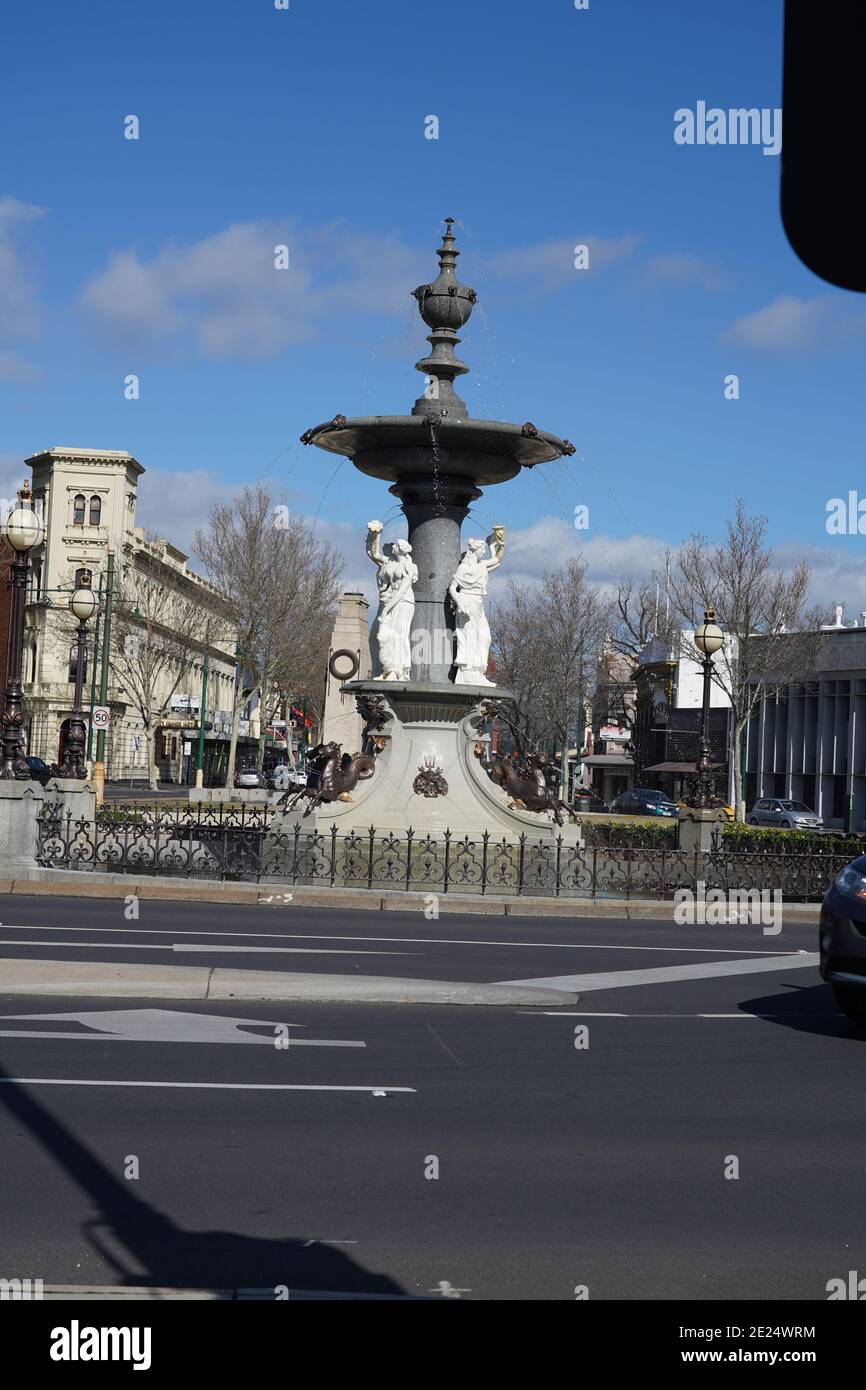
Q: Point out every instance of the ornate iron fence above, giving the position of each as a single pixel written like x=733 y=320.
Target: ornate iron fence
x=254 y=844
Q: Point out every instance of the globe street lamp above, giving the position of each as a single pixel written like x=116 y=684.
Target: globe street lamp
x=23 y=531
x=83 y=606
x=708 y=639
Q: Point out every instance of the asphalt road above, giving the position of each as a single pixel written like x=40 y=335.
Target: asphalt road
x=404 y=944
x=559 y=1165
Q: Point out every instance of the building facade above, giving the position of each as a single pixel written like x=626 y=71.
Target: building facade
x=807 y=739
x=669 y=683
x=87 y=499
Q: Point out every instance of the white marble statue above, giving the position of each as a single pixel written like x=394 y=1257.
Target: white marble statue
x=396 y=574
x=468 y=590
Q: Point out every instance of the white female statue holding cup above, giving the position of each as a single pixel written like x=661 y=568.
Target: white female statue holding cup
x=396 y=573
x=468 y=590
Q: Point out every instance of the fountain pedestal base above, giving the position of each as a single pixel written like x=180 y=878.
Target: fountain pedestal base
x=430 y=774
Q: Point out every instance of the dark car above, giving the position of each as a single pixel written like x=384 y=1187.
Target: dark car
x=644 y=801
x=587 y=800
x=842 y=939
x=790 y=815
x=40 y=771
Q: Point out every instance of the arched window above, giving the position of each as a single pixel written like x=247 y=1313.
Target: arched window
x=78 y=510
x=95 y=510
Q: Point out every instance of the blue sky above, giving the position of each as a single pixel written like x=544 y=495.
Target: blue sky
x=306 y=127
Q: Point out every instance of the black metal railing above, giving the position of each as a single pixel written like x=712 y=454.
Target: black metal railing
x=254 y=844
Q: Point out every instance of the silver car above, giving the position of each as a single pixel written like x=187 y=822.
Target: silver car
x=248 y=777
x=790 y=815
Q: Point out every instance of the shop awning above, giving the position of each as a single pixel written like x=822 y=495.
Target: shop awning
x=608 y=760
x=679 y=767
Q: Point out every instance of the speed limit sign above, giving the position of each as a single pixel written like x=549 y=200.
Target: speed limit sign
x=101 y=717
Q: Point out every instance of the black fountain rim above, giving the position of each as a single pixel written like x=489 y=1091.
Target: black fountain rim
x=525 y=444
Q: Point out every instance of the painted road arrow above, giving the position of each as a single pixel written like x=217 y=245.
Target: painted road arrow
x=162 y=1025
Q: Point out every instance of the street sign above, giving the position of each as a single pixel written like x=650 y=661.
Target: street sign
x=101 y=717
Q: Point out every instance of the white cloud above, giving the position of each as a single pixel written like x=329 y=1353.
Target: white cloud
x=680 y=268
x=549 y=265
x=790 y=323
x=19 y=308
x=175 y=504
x=225 y=294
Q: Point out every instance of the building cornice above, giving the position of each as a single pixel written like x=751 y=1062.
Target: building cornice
x=91 y=457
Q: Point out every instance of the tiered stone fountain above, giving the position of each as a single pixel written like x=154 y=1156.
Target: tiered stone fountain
x=427 y=709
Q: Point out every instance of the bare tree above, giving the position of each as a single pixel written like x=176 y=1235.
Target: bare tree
x=158 y=625
x=546 y=643
x=761 y=610
x=280 y=584
x=518 y=653
x=575 y=616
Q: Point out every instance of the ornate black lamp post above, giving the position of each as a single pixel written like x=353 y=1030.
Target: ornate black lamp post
x=83 y=605
x=23 y=531
x=708 y=638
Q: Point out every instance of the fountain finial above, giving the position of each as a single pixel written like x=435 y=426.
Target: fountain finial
x=444 y=306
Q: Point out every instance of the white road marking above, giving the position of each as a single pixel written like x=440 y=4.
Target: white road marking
x=566 y=1014
x=277 y=950
x=196 y=946
x=623 y=979
x=572 y=1013
x=203 y=1085
x=162 y=1025
x=395 y=940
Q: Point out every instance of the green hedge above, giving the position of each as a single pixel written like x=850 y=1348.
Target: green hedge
x=641 y=832
x=773 y=841
x=644 y=832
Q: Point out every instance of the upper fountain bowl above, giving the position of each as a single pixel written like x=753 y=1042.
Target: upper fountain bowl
x=393 y=447
x=439 y=439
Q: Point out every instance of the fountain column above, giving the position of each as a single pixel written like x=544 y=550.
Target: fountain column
x=435 y=509
x=436 y=505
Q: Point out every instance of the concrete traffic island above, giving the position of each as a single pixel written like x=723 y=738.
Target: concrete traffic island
x=56 y=978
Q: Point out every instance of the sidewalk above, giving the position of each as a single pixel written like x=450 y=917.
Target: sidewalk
x=66 y=883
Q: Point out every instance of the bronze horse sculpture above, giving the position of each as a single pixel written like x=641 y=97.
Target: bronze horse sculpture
x=338 y=774
x=525 y=778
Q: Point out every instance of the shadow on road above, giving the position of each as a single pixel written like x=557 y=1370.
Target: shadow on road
x=807 y=1009
x=175 y=1258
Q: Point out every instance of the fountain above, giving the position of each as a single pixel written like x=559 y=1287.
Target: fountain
x=428 y=709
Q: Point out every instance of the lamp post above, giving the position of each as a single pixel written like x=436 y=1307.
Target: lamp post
x=708 y=638
x=199 y=772
x=23 y=531
x=83 y=605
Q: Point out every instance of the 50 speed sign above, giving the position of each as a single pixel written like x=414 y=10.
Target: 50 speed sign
x=101 y=716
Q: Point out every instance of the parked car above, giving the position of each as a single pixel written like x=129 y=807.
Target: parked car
x=40 y=771
x=248 y=777
x=585 y=799
x=791 y=815
x=842 y=939
x=643 y=801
